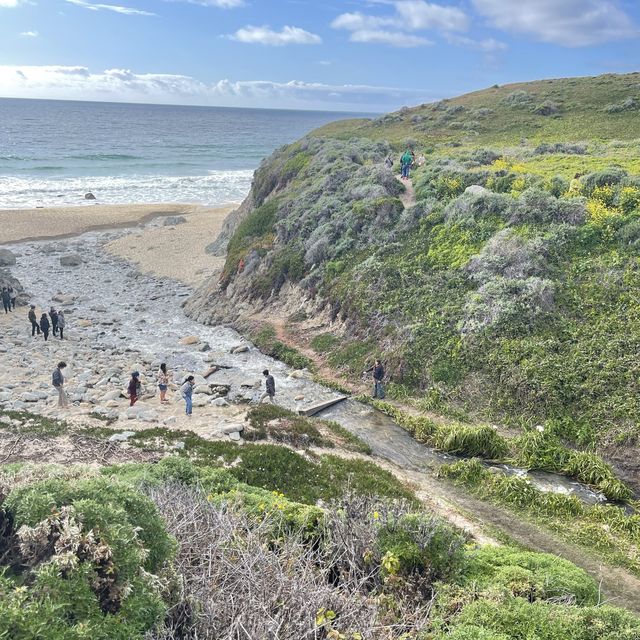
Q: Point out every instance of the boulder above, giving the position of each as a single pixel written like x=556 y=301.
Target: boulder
x=220 y=402
x=122 y=437
x=232 y=428
x=89 y=196
x=235 y=436
x=203 y=389
x=476 y=190
x=172 y=221
x=71 y=260
x=7 y=258
x=243 y=348
x=187 y=340
x=85 y=323
x=29 y=397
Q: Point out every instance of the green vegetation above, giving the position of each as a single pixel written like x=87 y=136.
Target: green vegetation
x=606 y=531
x=265 y=339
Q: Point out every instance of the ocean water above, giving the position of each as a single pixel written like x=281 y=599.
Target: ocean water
x=53 y=152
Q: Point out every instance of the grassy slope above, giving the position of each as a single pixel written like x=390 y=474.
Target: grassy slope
x=402 y=283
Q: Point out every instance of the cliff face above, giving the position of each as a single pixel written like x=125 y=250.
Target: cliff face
x=508 y=290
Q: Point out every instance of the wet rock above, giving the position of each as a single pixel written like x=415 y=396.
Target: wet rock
x=188 y=340
x=172 y=221
x=204 y=347
x=71 y=260
x=7 y=258
x=89 y=196
x=299 y=398
x=243 y=348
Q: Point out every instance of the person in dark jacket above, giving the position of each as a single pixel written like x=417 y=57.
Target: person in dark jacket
x=45 y=326
x=53 y=314
x=6 y=300
x=61 y=324
x=58 y=383
x=134 y=388
x=13 y=295
x=270 y=387
x=378 y=377
x=33 y=318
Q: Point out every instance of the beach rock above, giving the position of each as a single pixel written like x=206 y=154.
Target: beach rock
x=241 y=349
x=220 y=402
x=89 y=196
x=188 y=340
x=122 y=437
x=172 y=221
x=71 y=260
x=7 y=258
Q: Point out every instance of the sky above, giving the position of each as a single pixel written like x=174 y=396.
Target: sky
x=341 y=55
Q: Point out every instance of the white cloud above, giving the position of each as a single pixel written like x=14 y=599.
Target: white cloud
x=128 y=11
x=30 y=34
x=266 y=35
x=488 y=45
x=393 y=38
x=10 y=4
x=395 y=30
x=124 y=85
x=221 y=4
x=572 y=23
x=418 y=15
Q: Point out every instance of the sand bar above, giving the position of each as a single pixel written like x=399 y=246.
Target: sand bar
x=18 y=225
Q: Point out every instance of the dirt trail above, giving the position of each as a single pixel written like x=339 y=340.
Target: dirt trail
x=408 y=198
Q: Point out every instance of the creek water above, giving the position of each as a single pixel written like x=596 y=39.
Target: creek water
x=143 y=314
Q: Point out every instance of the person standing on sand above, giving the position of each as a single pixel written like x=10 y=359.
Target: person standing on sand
x=58 y=383
x=13 y=295
x=34 y=320
x=53 y=314
x=45 y=326
x=6 y=300
x=61 y=323
x=163 y=382
x=378 y=377
x=186 y=391
x=270 y=387
x=134 y=388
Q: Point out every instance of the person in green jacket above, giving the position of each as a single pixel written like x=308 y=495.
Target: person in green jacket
x=405 y=164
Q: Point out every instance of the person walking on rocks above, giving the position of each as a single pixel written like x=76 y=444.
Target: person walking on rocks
x=61 y=324
x=45 y=326
x=53 y=314
x=134 y=388
x=378 y=377
x=6 y=300
x=270 y=387
x=186 y=391
x=33 y=318
x=58 y=383
x=13 y=295
x=405 y=164
x=163 y=382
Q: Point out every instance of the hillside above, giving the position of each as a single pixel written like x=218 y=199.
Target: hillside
x=515 y=301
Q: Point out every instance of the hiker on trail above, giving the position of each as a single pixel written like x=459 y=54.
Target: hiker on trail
x=388 y=162
x=405 y=164
x=163 y=382
x=134 y=388
x=421 y=160
x=186 y=391
x=270 y=387
x=378 y=377
x=45 y=326
x=13 y=295
x=53 y=314
x=34 y=320
x=6 y=300
x=61 y=323
x=58 y=383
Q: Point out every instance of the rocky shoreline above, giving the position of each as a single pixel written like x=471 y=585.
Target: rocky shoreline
x=120 y=320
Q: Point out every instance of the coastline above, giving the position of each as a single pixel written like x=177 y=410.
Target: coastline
x=57 y=223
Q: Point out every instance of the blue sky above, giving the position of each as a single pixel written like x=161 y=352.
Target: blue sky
x=359 y=55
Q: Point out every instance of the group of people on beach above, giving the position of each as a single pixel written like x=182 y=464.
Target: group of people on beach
x=407 y=161
x=54 y=321
x=9 y=296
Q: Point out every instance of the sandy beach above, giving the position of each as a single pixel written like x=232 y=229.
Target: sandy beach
x=20 y=225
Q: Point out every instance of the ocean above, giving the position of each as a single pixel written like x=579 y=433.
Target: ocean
x=52 y=152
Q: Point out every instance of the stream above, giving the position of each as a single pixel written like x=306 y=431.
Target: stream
x=141 y=315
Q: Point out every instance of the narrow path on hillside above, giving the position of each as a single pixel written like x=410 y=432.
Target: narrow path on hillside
x=408 y=198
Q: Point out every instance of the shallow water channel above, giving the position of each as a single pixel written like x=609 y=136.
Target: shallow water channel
x=142 y=313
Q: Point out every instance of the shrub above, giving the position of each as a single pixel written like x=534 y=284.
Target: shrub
x=471 y=441
x=547 y=108
x=540 y=207
x=628 y=104
x=560 y=148
x=324 y=342
x=519 y=99
x=471 y=208
x=629 y=236
x=607 y=177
